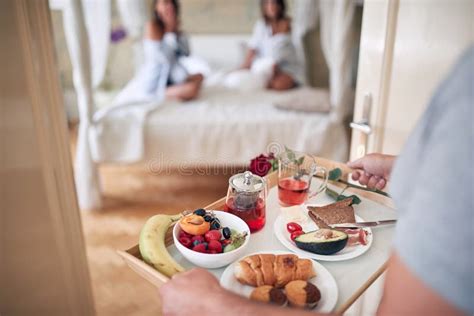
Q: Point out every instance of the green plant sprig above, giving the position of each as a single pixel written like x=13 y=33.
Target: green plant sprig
x=292 y=157
x=298 y=162
x=339 y=196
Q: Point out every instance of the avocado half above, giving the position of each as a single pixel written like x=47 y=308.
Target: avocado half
x=322 y=246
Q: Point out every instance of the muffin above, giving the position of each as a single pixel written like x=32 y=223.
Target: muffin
x=302 y=294
x=269 y=294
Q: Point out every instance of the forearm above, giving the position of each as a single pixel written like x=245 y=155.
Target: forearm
x=249 y=59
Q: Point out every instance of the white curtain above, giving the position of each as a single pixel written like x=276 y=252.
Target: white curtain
x=97 y=16
x=87 y=25
x=336 y=21
x=86 y=174
x=304 y=20
x=134 y=14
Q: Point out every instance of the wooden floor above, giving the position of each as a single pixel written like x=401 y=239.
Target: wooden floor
x=131 y=195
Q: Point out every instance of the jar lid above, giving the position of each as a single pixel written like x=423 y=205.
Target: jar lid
x=247 y=182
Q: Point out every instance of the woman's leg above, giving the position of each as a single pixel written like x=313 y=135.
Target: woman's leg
x=187 y=90
x=281 y=80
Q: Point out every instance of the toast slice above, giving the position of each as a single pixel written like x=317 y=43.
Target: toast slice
x=317 y=221
x=336 y=213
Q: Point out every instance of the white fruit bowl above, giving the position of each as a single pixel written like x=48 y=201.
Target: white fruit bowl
x=212 y=261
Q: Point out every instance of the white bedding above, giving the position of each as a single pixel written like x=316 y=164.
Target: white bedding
x=229 y=127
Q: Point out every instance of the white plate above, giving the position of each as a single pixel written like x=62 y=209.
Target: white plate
x=347 y=253
x=323 y=280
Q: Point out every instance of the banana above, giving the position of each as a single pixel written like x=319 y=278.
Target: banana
x=152 y=244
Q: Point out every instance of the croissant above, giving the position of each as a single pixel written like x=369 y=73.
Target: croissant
x=275 y=270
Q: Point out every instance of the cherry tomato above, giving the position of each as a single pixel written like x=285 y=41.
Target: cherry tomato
x=293 y=227
x=296 y=234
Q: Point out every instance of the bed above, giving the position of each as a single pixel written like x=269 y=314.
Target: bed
x=223 y=126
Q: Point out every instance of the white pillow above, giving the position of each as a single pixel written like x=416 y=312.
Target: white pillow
x=305 y=99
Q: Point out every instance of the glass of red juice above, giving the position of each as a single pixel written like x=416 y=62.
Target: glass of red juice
x=246 y=199
x=295 y=172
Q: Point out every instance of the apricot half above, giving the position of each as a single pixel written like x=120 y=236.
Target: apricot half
x=194 y=225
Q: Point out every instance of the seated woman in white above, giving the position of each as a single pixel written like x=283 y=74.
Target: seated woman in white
x=271 y=39
x=161 y=73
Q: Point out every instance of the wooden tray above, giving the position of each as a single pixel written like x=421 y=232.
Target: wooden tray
x=133 y=259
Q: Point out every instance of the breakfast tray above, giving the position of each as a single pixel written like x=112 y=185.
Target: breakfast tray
x=353 y=277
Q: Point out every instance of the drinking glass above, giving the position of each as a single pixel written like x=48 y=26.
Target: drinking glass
x=295 y=172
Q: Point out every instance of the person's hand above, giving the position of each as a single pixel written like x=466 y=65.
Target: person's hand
x=171 y=23
x=154 y=31
x=193 y=292
x=372 y=170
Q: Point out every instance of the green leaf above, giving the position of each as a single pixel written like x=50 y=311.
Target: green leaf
x=335 y=174
x=338 y=197
x=299 y=162
x=290 y=154
x=355 y=199
x=274 y=163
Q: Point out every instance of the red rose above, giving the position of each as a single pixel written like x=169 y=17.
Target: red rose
x=261 y=165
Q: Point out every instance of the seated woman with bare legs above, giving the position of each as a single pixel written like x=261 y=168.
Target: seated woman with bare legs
x=271 y=39
x=165 y=27
x=162 y=75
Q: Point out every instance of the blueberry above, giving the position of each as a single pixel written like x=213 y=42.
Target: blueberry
x=208 y=218
x=200 y=212
x=226 y=232
x=205 y=244
x=196 y=242
x=215 y=225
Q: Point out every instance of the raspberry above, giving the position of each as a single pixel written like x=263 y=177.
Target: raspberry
x=215 y=245
x=213 y=235
x=186 y=241
x=200 y=248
